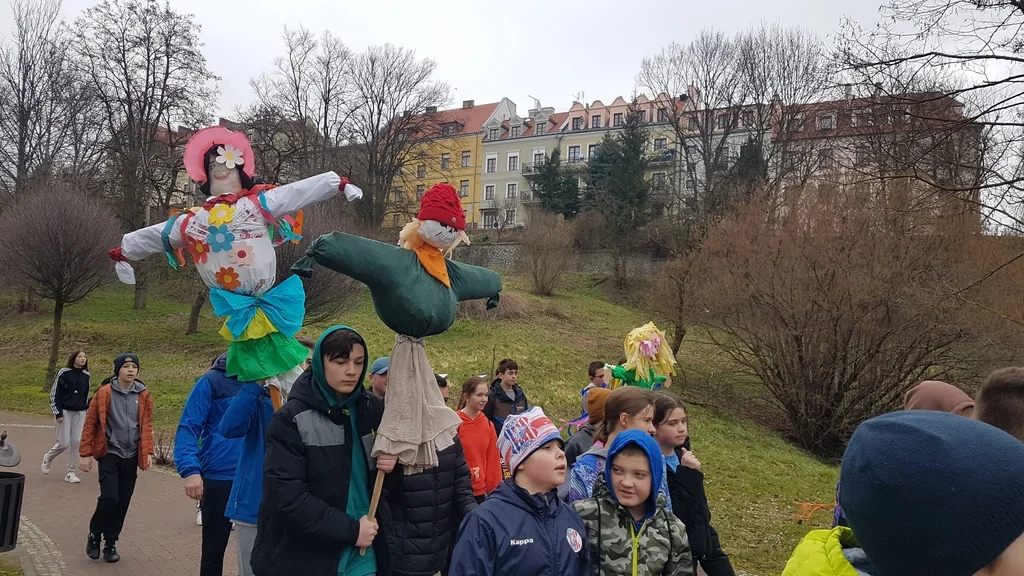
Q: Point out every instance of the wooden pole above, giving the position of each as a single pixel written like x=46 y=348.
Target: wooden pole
x=275 y=397
x=378 y=486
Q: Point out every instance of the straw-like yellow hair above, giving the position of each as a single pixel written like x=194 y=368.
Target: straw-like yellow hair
x=409 y=238
x=663 y=363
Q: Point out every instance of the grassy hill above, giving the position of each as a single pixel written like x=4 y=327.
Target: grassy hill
x=753 y=476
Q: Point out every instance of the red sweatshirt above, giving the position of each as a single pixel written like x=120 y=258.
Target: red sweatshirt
x=480 y=444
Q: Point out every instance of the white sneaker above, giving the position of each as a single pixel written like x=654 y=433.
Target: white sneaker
x=70 y=478
x=46 y=465
x=199 y=517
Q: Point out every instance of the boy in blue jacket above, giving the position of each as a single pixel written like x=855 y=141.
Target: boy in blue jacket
x=248 y=418
x=207 y=460
x=523 y=528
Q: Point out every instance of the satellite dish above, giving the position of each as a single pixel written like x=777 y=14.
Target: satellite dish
x=9 y=455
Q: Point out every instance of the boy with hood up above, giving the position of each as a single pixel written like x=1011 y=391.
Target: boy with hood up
x=317 y=470
x=630 y=530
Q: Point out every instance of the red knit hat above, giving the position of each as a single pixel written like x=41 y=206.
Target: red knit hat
x=441 y=203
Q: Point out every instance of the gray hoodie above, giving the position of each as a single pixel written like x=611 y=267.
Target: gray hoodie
x=123 y=432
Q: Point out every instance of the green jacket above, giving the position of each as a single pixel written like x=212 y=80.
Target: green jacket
x=820 y=553
x=658 y=548
x=406 y=297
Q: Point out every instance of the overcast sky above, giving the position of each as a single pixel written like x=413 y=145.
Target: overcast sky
x=486 y=49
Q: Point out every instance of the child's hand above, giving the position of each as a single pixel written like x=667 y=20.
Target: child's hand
x=367 y=531
x=689 y=460
x=386 y=462
x=149 y=462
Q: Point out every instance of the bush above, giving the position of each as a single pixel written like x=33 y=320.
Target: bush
x=839 y=306
x=510 y=306
x=547 y=250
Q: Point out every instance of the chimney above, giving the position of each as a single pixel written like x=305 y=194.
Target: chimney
x=431 y=109
x=466 y=104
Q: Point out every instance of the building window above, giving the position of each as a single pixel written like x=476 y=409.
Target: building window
x=595 y=121
x=396 y=220
x=574 y=154
x=448 y=130
x=489 y=192
x=826 y=121
x=464 y=188
x=658 y=181
x=446 y=161
x=538 y=158
x=798 y=122
x=690 y=185
x=490 y=220
x=660 y=143
x=861 y=118
x=515 y=131
x=421 y=171
x=510 y=218
x=540 y=128
x=492 y=164
x=465 y=159
x=827 y=158
x=512 y=190
x=662 y=115
x=642 y=116
x=723 y=121
x=577 y=123
x=513 y=163
x=617 y=119
x=420 y=190
x=691 y=123
x=492 y=134
x=591 y=150
x=748 y=118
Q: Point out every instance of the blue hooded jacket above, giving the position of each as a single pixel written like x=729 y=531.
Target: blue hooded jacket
x=248 y=418
x=650 y=447
x=514 y=532
x=198 y=446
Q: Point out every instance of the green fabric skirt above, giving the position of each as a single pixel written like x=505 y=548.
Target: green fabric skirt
x=259 y=359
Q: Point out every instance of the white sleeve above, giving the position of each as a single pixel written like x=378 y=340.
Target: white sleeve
x=148 y=241
x=297 y=195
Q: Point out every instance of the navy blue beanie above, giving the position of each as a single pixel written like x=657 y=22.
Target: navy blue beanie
x=120 y=360
x=930 y=493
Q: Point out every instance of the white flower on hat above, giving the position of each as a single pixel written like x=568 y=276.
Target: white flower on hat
x=229 y=156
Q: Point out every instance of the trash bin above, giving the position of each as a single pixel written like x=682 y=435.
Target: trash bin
x=12 y=490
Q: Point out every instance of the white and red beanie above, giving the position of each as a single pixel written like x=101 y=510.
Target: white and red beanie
x=523 y=434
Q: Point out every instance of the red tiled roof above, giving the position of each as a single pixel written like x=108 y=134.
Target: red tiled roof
x=469 y=120
x=554 y=121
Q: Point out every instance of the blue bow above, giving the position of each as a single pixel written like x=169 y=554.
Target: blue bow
x=284 y=305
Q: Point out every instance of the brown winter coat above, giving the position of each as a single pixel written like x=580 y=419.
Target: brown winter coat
x=94 y=433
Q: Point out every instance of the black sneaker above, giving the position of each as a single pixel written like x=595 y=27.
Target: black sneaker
x=92 y=546
x=110 y=554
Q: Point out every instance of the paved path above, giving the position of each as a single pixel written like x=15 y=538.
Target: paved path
x=160 y=533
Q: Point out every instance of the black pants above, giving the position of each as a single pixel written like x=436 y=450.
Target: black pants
x=117 y=484
x=216 y=528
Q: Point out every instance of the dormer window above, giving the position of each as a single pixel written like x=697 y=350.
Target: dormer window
x=448 y=130
x=515 y=132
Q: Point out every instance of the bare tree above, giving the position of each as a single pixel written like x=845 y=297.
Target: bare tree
x=303 y=102
x=726 y=101
x=55 y=244
x=839 y=306
x=144 y=62
x=974 y=47
x=548 y=250
x=37 y=95
x=392 y=91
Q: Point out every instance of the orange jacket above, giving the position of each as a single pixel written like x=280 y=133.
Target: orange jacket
x=480 y=444
x=94 y=433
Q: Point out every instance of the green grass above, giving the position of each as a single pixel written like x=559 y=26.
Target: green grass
x=753 y=475
x=10 y=565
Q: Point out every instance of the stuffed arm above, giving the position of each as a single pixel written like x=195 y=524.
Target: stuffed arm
x=142 y=244
x=368 y=261
x=297 y=195
x=474 y=283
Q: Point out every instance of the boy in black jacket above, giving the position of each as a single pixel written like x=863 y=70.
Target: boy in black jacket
x=507 y=398
x=317 y=471
x=686 y=486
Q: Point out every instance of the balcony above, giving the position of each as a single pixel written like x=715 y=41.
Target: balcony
x=661 y=157
x=575 y=160
x=531 y=169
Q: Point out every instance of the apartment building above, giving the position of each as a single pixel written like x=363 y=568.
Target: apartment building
x=452 y=152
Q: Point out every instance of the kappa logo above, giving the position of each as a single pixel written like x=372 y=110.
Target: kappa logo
x=524 y=542
x=575 y=541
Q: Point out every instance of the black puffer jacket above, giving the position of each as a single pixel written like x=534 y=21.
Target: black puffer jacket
x=70 y=391
x=690 y=504
x=420 y=513
x=302 y=527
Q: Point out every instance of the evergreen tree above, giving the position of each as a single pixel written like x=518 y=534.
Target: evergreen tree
x=556 y=189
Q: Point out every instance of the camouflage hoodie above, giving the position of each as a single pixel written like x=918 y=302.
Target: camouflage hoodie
x=655 y=546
